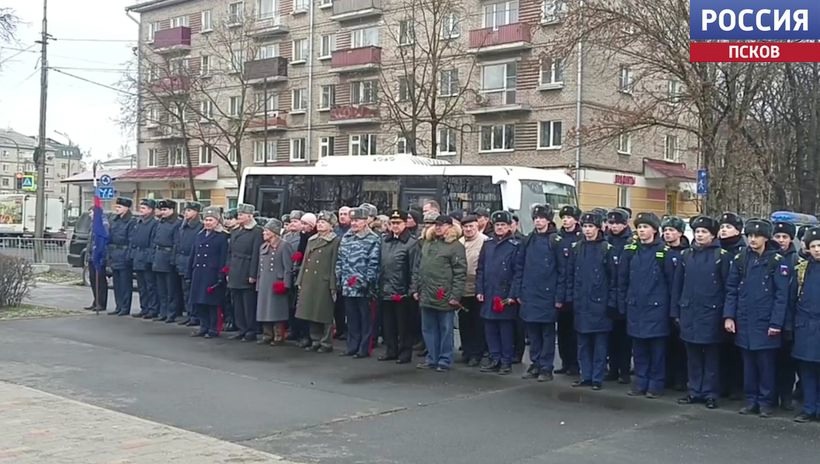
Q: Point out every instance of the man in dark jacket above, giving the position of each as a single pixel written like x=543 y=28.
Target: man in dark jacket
x=207 y=272
x=183 y=244
x=570 y=232
x=807 y=328
x=142 y=255
x=731 y=363
x=399 y=257
x=784 y=234
x=164 y=261
x=673 y=229
x=97 y=280
x=120 y=234
x=619 y=235
x=243 y=268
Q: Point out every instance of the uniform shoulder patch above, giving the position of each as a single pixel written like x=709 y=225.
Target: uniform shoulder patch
x=737 y=256
x=557 y=238
x=723 y=252
x=574 y=244
x=631 y=247
x=778 y=257
x=784 y=270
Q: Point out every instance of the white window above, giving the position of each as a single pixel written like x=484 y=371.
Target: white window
x=234 y=106
x=625 y=80
x=447 y=141
x=206 y=155
x=448 y=86
x=232 y=155
x=301 y=5
x=671 y=149
x=237 y=60
x=176 y=157
x=405 y=90
x=402 y=147
x=259 y=154
x=236 y=13
x=364 y=37
x=362 y=144
x=450 y=27
x=265 y=9
x=269 y=107
x=300 y=51
x=204 y=65
x=549 y=134
x=152 y=116
x=153 y=28
x=674 y=90
x=6 y=182
x=623 y=196
x=553 y=11
x=207 y=22
x=328 y=99
x=625 y=144
x=152 y=157
x=178 y=66
x=327 y=46
x=179 y=21
x=326 y=145
x=299 y=100
x=364 y=92
x=498 y=137
x=407 y=35
x=298 y=149
x=266 y=51
x=552 y=72
x=177 y=114
x=499 y=77
x=206 y=109
x=325 y=3
x=500 y=14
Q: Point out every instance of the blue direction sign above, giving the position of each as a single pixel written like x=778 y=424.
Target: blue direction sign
x=703 y=181
x=105 y=193
x=105 y=180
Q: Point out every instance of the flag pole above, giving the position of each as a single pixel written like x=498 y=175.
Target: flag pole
x=96 y=271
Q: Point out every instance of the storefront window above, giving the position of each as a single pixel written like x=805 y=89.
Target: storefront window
x=204 y=197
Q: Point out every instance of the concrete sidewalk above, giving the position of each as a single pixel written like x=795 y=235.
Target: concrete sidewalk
x=71 y=297
x=38 y=427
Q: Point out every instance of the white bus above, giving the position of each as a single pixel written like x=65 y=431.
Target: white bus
x=402 y=181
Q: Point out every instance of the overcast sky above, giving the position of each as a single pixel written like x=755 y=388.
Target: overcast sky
x=84 y=111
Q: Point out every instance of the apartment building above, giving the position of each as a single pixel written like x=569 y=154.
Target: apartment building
x=307 y=79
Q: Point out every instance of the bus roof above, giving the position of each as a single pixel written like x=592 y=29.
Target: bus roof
x=794 y=218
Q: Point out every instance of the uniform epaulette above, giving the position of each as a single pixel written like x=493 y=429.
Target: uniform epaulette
x=631 y=247
x=778 y=257
x=556 y=238
x=575 y=243
x=723 y=252
x=737 y=256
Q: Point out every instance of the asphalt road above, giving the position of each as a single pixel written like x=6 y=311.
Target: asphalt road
x=321 y=408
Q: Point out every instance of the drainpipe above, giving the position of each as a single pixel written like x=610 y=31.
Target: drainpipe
x=309 y=141
x=578 y=99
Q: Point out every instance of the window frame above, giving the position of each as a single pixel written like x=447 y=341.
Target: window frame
x=302 y=92
x=555 y=70
x=301 y=143
x=369 y=141
x=407 y=34
x=453 y=27
x=152 y=158
x=206 y=152
x=624 y=146
x=328 y=92
x=626 y=80
x=675 y=148
x=327 y=145
x=450 y=82
x=364 y=88
x=206 y=21
x=506 y=145
x=509 y=17
x=331 y=46
x=303 y=51
x=358 y=36
x=551 y=136
x=236 y=18
x=259 y=155
x=447 y=133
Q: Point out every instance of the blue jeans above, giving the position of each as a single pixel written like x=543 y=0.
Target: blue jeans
x=359 y=325
x=123 y=287
x=810 y=379
x=592 y=350
x=437 y=328
x=650 y=364
x=500 y=335
x=542 y=346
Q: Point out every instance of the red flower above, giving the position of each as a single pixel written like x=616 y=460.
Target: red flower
x=279 y=288
x=210 y=290
x=226 y=270
x=396 y=298
x=297 y=257
x=440 y=294
x=352 y=280
x=498 y=305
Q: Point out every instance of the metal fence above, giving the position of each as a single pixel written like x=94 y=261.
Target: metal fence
x=55 y=251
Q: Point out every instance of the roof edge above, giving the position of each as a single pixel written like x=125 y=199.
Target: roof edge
x=151 y=5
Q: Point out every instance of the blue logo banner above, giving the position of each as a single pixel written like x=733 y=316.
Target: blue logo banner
x=754 y=20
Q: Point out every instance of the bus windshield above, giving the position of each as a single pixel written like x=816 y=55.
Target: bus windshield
x=535 y=192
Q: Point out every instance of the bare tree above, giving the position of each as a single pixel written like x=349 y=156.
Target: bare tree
x=8 y=24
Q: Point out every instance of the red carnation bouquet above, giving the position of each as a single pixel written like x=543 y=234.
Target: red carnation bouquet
x=279 y=288
x=440 y=294
x=297 y=257
x=499 y=304
x=352 y=281
x=226 y=270
x=396 y=298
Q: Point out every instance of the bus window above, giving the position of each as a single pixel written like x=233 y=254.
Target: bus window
x=534 y=192
x=271 y=202
x=470 y=192
x=382 y=192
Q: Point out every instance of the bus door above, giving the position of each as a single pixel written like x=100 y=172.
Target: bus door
x=270 y=202
x=416 y=197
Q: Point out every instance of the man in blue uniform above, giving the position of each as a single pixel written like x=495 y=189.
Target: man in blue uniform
x=119 y=239
x=619 y=235
x=570 y=233
x=206 y=268
x=697 y=308
x=807 y=327
x=731 y=238
x=540 y=290
x=165 y=273
x=591 y=286
x=183 y=244
x=645 y=279
x=673 y=229
x=784 y=234
x=142 y=256
x=97 y=280
x=757 y=295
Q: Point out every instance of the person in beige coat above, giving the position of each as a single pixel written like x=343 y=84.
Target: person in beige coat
x=471 y=328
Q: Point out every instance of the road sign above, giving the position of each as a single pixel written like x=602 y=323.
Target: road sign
x=703 y=181
x=105 y=180
x=29 y=184
x=105 y=193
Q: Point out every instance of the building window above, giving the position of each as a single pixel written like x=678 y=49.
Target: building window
x=298 y=149
x=178 y=66
x=232 y=155
x=449 y=83
x=549 y=134
x=625 y=80
x=498 y=137
x=234 y=106
x=204 y=65
x=267 y=108
x=327 y=46
x=553 y=11
x=152 y=157
x=402 y=147
x=300 y=51
x=450 y=26
x=407 y=35
x=326 y=145
x=204 y=197
x=552 y=72
x=623 y=196
x=301 y=5
x=328 y=99
x=405 y=93
x=671 y=149
x=625 y=144
x=365 y=37
x=206 y=110
x=500 y=14
x=499 y=77
x=447 y=141
x=674 y=90
x=364 y=92
x=206 y=155
x=236 y=13
x=153 y=28
x=299 y=100
x=362 y=144
x=48 y=170
x=177 y=157
x=237 y=60
x=6 y=182
x=265 y=9
x=179 y=21
x=268 y=51
x=259 y=155
x=207 y=24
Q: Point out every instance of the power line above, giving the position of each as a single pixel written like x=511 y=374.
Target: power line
x=63 y=39
x=19 y=52
x=106 y=86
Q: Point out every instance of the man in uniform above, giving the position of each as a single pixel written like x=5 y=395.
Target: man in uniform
x=243 y=268
x=97 y=279
x=294 y=229
x=142 y=255
x=807 y=329
x=165 y=273
x=619 y=235
x=784 y=233
x=207 y=272
x=673 y=228
x=119 y=239
x=228 y=225
x=569 y=233
x=183 y=244
x=731 y=372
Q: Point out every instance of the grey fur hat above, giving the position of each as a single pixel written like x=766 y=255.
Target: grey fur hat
x=245 y=208
x=274 y=225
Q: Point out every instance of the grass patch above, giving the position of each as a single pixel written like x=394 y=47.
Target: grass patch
x=27 y=311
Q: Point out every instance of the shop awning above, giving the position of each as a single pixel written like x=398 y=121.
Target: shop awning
x=203 y=173
x=658 y=169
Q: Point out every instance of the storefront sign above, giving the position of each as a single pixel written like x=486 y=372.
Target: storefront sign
x=621 y=179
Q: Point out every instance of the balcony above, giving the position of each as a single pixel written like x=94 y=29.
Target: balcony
x=272 y=123
x=510 y=37
x=164 y=133
x=345 y=10
x=267 y=25
x=176 y=39
x=356 y=59
x=508 y=101
x=172 y=85
x=268 y=70
x=353 y=114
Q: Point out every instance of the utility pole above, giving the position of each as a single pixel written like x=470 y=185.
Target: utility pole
x=40 y=152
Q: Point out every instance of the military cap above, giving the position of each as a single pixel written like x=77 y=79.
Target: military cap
x=245 y=208
x=285 y=218
x=592 y=218
x=416 y=215
x=327 y=216
x=457 y=214
x=570 y=210
x=358 y=213
x=802 y=232
x=274 y=225
x=502 y=217
x=399 y=215
x=617 y=216
x=673 y=222
x=811 y=235
x=149 y=202
x=369 y=209
x=650 y=219
x=296 y=215
x=193 y=205
x=482 y=212
x=785 y=228
x=705 y=222
x=124 y=201
x=468 y=219
x=542 y=211
x=515 y=218
x=230 y=213
x=733 y=220
x=443 y=219
x=430 y=217
x=627 y=210
x=760 y=227
x=166 y=204
x=212 y=212
x=600 y=212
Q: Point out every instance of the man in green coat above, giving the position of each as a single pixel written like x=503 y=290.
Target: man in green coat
x=438 y=285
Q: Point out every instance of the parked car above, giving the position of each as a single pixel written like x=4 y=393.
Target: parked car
x=79 y=241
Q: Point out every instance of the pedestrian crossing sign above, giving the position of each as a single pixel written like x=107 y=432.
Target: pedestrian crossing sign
x=28 y=183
